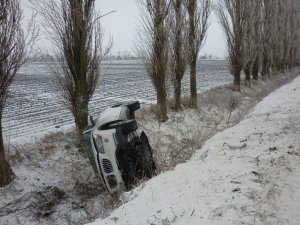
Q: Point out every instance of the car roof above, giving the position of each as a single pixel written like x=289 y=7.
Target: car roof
x=112 y=114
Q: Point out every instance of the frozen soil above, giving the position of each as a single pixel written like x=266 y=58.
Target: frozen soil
x=55 y=184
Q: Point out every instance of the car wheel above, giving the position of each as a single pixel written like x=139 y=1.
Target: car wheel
x=133 y=106
x=145 y=162
x=126 y=126
x=148 y=162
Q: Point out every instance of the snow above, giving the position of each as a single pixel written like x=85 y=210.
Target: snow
x=35 y=107
x=247 y=174
x=44 y=165
x=53 y=162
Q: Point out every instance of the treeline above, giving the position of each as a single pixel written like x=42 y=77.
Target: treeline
x=263 y=38
x=45 y=57
x=169 y=40
x=124 y=55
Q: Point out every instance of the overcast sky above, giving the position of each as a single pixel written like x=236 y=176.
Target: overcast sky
x=123 y=23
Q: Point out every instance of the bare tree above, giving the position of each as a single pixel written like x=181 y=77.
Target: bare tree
x=257 y=38
x=277 y=41
x=198 y=12
x=288 y=37
x=276 y=32
x=232 y=15
x=249 y=41
x=280 y=30
x=152 y=48
x=268 y=35
x=261 y=35
x=294 y=15
x=75 y=30
x=15 y=47
x=178 y=46
x=288 y=29
x=253 y=39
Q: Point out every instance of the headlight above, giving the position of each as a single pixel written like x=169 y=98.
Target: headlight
x=99 y=144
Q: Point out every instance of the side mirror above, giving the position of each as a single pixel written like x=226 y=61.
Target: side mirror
x=91 y=121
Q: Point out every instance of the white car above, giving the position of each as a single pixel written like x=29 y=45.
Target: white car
x=118 y=155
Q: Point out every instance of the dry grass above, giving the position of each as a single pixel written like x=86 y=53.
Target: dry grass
x=16 y=157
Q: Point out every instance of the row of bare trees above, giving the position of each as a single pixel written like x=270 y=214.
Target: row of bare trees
x=169 y=41
x=263 y=36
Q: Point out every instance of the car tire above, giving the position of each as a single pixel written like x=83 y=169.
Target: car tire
x=133 y=106
x=148 y=162
x=145 y=163
x=126 y=126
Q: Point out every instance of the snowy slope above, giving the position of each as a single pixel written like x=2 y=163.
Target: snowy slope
x=248 y=174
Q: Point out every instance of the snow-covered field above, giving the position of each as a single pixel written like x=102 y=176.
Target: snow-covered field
x=34 y=108
x=247 y=174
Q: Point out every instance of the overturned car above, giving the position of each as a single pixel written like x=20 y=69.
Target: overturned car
x=119 y=155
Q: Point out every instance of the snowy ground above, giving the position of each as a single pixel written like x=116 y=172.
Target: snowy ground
x=35 y=108
x=247 y=174
x=55 y=184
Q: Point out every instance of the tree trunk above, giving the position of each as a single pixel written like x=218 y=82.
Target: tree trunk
x=193 y=84
x=255 y=69
x=247 y=71
x=177 y=94
x=255 y=73
x=162 y=105
x=237 y=82
x=81 y=115
x=6 y=173
x=179 y=61
x=192 y=6
x=265 y=67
